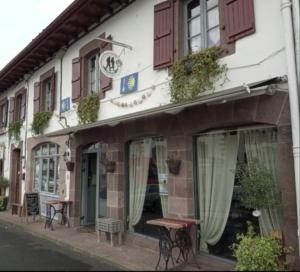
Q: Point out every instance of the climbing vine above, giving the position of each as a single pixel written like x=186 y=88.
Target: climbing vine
x=195 y=74
x=14 y=130
x=40 y=122
x=88 y=108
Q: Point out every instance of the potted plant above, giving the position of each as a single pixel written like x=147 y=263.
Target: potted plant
x=173 y=166
x=70 y=165
x=4 y=183
x=259 y=253
x=258 y=189
x=109 y=165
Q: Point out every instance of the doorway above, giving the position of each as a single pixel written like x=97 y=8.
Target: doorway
x=15 y=188
x=93 y=185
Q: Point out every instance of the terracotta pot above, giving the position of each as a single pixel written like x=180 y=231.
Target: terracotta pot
x=70 y=165
x=174 y=166
x=109 y=166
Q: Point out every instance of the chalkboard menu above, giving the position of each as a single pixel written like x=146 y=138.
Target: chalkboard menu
x=32 y=204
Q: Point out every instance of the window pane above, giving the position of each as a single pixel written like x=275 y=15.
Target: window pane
x=194 y=27
x=193 y=9
x=51 y=175
x=195 y=44
x=211 y=3
x=53 y=149
x=213 y=18
x=36 y=174
x=213 y=37
x=44 y=174
x=45 y=150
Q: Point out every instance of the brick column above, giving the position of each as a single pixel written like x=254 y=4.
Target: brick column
x=181 y=201
x=115 y=182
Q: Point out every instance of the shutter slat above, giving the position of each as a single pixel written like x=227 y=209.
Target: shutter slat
x=163 y=34
x=105 y=82
x=239 y=19
x=53 y=91
x=36 y=99
x=23 y=104
x=11 y=109
x=76 y=79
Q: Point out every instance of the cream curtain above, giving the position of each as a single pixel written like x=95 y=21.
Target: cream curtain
x=217 y=158
x=162 y=171
x=261 y=145
x=139 y=157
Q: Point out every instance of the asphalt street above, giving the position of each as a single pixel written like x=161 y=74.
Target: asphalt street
x=20 y=251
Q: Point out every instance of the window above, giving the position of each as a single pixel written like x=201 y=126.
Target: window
x=93 y=74
x=3 y=113
x=44 y=92
x=218 y=187
x=47 y=95
x=148 y=183
x=46 y=168
x=20 y=108
x=202 y=24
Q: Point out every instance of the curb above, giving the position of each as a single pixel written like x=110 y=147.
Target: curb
x=66 y=245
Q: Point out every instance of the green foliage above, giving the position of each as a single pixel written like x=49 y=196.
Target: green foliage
x=257 y=253
x=88 y=108
x=14 y=130
x=3 y=203
x=40 y=122
x=258 y=188
x=4 y=182
x=205 y=71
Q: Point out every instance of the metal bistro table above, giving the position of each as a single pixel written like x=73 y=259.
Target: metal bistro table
x=63 y=210
x=180 y=228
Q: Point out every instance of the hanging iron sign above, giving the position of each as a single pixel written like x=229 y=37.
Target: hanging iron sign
x=110 y=64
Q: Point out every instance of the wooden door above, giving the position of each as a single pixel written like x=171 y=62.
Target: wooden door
x=15 y=189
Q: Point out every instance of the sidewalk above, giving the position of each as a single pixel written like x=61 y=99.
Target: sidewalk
x=126 y=257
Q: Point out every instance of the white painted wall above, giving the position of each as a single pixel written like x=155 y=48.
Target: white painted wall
x=258 y=57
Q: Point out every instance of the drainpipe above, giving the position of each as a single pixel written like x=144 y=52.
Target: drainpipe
x=296 y=20
x=293 y=97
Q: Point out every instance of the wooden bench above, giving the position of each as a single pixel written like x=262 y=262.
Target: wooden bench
x=109 y=225
x=16 y=208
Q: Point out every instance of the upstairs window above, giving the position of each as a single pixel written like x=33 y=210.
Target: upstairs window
x=20 y=107
x=202 y=24
x=93 y=74
x=3 y=112
x=47 y=101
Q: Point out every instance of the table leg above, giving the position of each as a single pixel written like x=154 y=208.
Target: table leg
x=165 y=247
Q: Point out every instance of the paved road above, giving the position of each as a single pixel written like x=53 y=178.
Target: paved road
x=22 y=252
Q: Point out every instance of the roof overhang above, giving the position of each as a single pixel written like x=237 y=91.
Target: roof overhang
x=81 y=17
x=237 y=93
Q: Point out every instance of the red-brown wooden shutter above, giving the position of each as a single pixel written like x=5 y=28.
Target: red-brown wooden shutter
x=53 y=91
x=163 y=34
x=11 y=110
x=76 y=79
x=239 y=19
x=105 y=82
x=36 y=99
x=23 y=104
x=1 y=167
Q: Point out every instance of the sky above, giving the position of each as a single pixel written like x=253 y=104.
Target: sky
x=22 y=20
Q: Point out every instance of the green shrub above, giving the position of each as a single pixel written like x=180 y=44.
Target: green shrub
x=257 y=253
x=88 y=108
x=40 y=122
x=258 y=188
x=14 y=130
x=3 y=203
x=195 y=74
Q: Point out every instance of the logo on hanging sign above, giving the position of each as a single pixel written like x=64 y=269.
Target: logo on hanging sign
x=110 y=64
x=129 y=84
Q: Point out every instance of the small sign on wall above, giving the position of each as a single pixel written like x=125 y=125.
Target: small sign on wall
x=129 y=84
x=65 y=104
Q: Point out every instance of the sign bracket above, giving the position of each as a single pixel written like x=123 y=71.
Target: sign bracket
x=115 y=43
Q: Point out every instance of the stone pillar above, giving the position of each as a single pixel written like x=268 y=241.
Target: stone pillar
x=181 y=201
x=115 y=182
